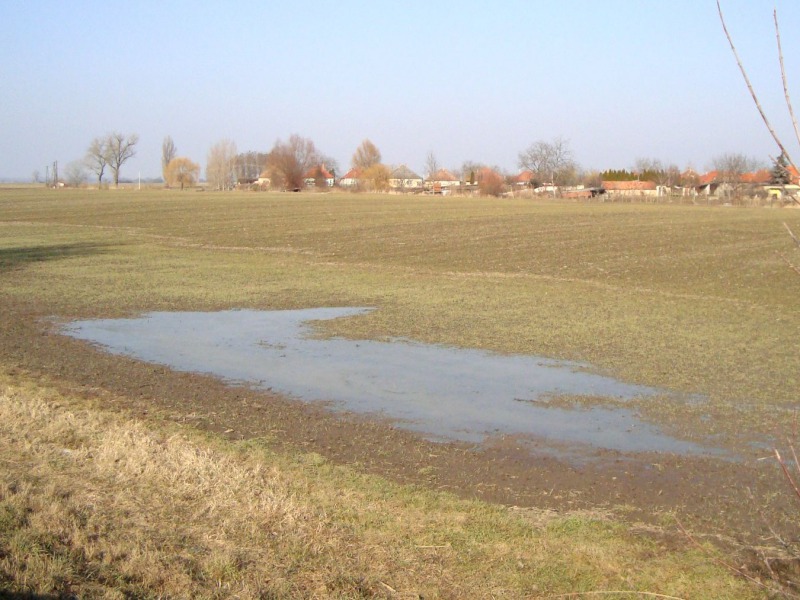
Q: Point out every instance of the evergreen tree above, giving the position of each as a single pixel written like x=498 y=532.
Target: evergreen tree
x=780 y=172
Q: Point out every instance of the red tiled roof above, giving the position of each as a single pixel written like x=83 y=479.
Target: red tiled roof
x=524 y=177
x=761 y=176
x=619 y=186
x=707 y=178
x=318 y=170
x=354 y=173
x=443 y=175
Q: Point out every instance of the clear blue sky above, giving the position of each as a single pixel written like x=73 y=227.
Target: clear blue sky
x=618 y=79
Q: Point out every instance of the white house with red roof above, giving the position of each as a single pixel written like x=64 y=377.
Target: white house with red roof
x=351 y=179
x=319 y=176
x=442 y=182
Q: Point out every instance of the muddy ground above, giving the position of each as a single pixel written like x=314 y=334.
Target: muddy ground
x=710 y=495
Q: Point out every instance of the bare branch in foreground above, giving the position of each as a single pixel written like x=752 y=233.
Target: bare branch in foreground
x=791 y=233
x=787 y=473
x=792 y=266
x=750 y=87
x=783 y=78
x=732 y=568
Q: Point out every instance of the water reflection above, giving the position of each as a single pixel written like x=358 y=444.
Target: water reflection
x=441 y=392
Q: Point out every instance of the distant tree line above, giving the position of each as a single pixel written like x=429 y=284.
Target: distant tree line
x=296 y=163
x=250 y=165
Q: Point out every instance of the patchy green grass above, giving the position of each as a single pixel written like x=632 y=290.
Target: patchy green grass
x=691 y=298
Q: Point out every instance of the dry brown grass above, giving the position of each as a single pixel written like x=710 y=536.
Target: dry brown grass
x=100 y=506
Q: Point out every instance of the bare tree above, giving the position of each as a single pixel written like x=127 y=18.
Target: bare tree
x=672 y=175
x=648 y=166
x=120 y=149
x=550 y=162
x=652 y=169
x=250 y=165
x=182 y=171
x=469 y=171
x=97 y=158
x=288 y=162
x=330 y=164
x=75 y=173
x=168 y=152
x=221 y=165
x=431 y=165
x=731 y=169
x=366 y=155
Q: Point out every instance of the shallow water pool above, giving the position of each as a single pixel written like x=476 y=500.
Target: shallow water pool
x=441 y=392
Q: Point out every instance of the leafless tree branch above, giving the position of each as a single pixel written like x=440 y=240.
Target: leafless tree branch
x=791 y=233
x=783 y=76
x=731 y=567
x=750 y=88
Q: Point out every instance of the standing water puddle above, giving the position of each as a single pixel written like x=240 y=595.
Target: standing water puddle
x=441 y=392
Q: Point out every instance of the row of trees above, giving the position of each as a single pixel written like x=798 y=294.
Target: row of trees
x=290 y=163
x=111 y=151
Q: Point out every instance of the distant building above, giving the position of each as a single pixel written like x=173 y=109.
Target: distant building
x=403 y=178
x=715 y=183
x=351 y=179
x=319 y=176
x=442 y=182
x=630 y=188
x=524 y=179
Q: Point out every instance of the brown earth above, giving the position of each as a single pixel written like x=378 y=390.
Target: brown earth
x=710 y=495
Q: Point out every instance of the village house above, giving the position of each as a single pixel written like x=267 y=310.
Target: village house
x=403 y=178
x=442 y=182
x=782 y=192
x=523 y=180
x=715 y=183
x=630 y=188
x=351 y=179
x=319 y=176
x=785 y=191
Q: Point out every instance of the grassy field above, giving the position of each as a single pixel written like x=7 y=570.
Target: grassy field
x=690 y=298
x=694 y=299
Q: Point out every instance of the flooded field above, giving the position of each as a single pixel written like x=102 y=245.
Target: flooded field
x=440 y=392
